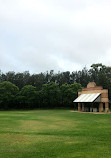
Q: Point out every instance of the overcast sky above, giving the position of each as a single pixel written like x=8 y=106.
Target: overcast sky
x=59 y=35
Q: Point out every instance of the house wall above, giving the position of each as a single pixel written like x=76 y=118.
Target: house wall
x=92 y=88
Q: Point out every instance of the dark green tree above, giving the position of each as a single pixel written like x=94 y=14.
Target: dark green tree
x=50 y=95
x=27 y=96
x=8 y=93
x=69 y=93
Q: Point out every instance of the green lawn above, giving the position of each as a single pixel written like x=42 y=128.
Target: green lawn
x=54 y=134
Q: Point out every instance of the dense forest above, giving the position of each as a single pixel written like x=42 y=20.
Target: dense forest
x=49 y=89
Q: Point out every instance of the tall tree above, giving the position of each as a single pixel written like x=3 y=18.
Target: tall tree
x=50 y=95
x=27 y=96
x=69 y=93
x=8 y=92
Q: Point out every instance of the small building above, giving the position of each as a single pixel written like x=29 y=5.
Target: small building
x=93 y=99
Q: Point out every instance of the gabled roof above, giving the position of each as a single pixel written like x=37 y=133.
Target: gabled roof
x=92 y=97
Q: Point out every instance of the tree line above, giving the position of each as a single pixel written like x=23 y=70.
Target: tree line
x=50 y=96
x=49 y=89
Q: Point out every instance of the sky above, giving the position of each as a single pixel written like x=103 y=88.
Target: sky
x=59 y=35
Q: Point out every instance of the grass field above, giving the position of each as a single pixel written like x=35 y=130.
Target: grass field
x=54 y=134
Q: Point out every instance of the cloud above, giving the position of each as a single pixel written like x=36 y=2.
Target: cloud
x=40 y=35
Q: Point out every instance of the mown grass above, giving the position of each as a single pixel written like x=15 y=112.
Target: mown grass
x=54 y=134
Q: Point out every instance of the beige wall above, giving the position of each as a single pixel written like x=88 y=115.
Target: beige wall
x=92 y=88
x=104 y=93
